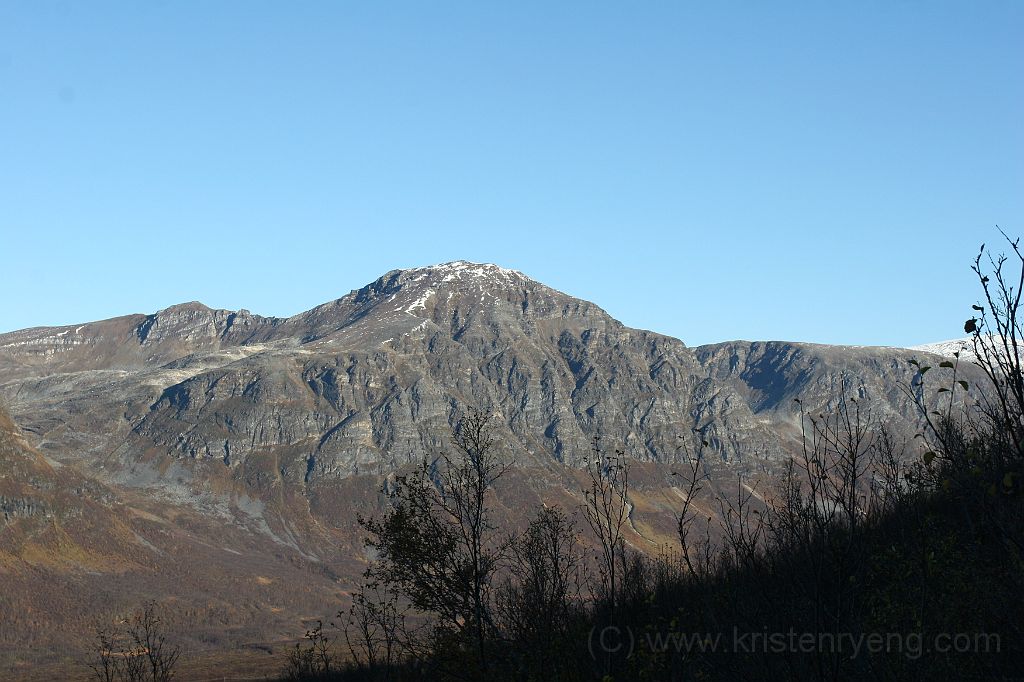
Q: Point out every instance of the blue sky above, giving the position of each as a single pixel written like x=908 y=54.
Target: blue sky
x=817 y=171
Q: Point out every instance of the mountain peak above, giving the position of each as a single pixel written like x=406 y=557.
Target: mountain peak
x=454 y=278
x=465 y=270
x=187 y=307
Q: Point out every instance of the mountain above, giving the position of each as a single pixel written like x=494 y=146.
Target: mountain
x=239 y=448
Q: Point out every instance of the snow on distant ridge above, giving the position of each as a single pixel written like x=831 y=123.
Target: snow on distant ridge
x=964 y=346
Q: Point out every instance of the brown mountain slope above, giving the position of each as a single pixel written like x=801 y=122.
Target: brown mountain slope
x=75 y=552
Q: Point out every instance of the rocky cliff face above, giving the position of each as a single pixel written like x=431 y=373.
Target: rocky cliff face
x=284 y=428
x=376 y=378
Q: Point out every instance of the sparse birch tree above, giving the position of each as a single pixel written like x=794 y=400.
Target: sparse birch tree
x=438 y=545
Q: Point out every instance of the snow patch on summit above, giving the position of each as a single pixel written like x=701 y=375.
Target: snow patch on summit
x=462 y=269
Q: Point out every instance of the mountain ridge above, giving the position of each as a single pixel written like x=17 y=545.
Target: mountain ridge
x=193 y=317
x=276 y=432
